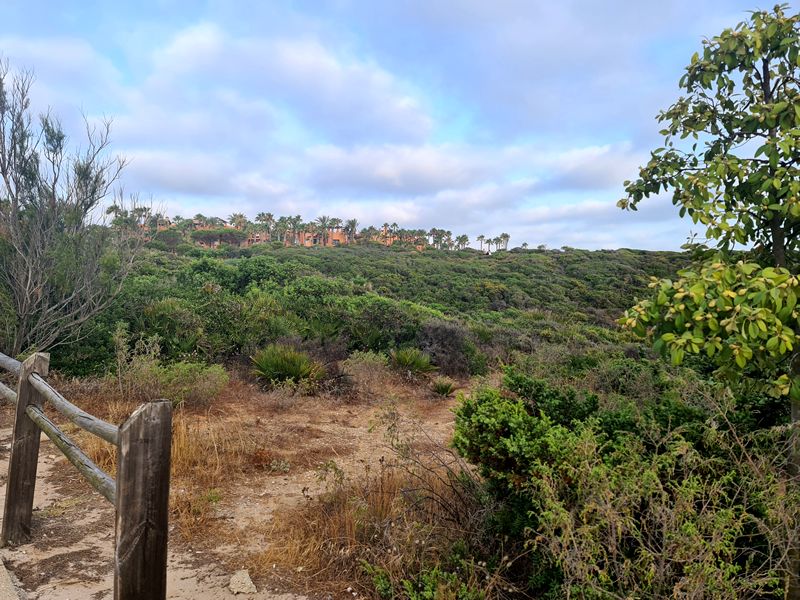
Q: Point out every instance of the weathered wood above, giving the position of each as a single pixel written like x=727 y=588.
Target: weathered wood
x=96 y=477
x=140 y=566
x=22 y=466
x=8 y=394
x=10 y=364
x=81 y=418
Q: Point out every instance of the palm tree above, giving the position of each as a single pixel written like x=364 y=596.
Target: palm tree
x=489 y=243
x=280 y=228
x=238 y=220
x=481 y=239
x=350 y=228
x=462 y=241
x=504 y=238
x=324 y=223
x=266 y=219
x=496 y=242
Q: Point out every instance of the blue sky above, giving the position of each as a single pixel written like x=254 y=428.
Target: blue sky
x=481 y=117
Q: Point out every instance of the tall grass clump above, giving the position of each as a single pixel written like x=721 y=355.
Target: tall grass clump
x=412 y=361
x=278 y=363
x=443 y=386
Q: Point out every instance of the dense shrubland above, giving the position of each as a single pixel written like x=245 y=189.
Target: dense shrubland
x=465 y=311
x=603 y=471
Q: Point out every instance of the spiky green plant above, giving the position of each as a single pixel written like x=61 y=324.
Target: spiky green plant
x=277 y=363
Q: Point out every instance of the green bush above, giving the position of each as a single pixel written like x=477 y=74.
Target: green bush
x=561 y=405
x=191 y=384
x=412 y=361
x=594 y=491
x=277 y=363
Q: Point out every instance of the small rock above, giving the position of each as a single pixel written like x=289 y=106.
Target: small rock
x=241 y=583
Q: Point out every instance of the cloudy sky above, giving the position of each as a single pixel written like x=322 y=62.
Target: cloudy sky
x=478 y=116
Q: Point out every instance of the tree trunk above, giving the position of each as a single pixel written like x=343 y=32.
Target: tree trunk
x=793 y=591
x=778 y=241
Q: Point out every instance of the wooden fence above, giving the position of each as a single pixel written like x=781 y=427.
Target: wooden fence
x=140 y=493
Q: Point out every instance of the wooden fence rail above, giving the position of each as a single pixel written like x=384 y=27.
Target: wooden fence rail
x=140 y=493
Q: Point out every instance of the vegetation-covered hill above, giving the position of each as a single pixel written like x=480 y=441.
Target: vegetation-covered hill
x=369 y=297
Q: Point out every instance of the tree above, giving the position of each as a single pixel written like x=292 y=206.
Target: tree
x=350 y=228
x=739 y=177
x=59 y=265
x=481 y=239
x=504 y=239
x=266 y=219
x=171 y=238
x=238 y=220
x=221 y=235
x=324 y=223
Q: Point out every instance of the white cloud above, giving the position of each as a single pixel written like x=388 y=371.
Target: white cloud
x=337 y=97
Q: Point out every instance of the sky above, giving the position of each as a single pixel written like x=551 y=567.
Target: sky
x=476 y=116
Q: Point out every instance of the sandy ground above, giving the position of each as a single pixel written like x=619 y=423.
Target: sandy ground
x=70 y=555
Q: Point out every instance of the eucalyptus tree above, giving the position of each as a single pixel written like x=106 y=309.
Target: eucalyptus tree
x=730 y=161
x=59 y=264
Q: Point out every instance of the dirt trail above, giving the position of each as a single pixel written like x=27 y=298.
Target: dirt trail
x=70 y=555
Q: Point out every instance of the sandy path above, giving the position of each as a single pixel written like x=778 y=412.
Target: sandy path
x=70 y=556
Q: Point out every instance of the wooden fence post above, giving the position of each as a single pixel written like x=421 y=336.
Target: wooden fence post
x=21 y=482
x=140 y=556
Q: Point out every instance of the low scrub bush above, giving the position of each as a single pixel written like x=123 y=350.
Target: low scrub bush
x=449 y=346
x=606 y=513
x=411 y=361
x=278 y=363
x=368 y=373
x=191 y=384
x=141 y=376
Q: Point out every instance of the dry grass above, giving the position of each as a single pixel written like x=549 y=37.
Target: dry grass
x=216 y=449
x=405 y=520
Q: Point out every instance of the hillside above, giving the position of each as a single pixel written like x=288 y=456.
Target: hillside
x=356 y=292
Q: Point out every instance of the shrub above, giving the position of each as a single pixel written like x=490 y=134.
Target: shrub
x=141 y=377
x=369 y=373
x=278 y=363
x=443 y=386
x=562 y=405
x=592 y=497
x=447 y=344
x=193 y=384
x=179 y=327
x=412 y=361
